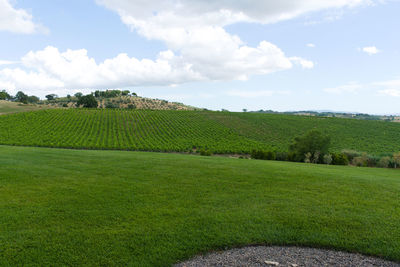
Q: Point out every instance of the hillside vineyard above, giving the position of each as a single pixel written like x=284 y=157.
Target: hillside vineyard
x=187 y=131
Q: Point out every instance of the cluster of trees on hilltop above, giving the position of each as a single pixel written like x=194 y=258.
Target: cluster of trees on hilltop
x=313 y=147
x=19 y=97
x=88 y=101
x=113 y=93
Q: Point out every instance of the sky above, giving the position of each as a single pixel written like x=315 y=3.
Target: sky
x=286 y=55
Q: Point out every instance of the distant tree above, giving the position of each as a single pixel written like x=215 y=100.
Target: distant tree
x=133 y=94
x=313 y=142
x=33 y=99
x=396 y=159
x=78 y=95
x=4 y=95
x=21 y=97
x=125 y=92
x=88 y=101
x=51 y=96
x=69 y=97
x=244 y=110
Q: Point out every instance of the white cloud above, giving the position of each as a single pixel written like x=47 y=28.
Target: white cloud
x=311 y=45
x=385 y=88
x=352 y=87
x=390 y=88
x=390 y=92
x=198 y=46
x=255 y=94
x=17 y=20
x=305 y=64
x=7 y=62
x=370 y=50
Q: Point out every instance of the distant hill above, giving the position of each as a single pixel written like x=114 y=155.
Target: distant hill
x=188 y=131
x=7 y=107
x=121 y=102
x=334 y=114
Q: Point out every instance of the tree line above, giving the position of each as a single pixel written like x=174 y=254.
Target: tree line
x=87 y=101
x=313 y=147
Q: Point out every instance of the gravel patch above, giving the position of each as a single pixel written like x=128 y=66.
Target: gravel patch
x=284 y=256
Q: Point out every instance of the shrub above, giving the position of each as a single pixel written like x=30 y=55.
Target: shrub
x=340 y=159
x=266 y=155
x=360 y=161
x=384 y=162
x=205 y=152
x=328 y=159
x=351 y=154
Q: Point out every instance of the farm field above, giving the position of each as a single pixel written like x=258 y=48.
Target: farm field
x=71 y=207
x=186 y=131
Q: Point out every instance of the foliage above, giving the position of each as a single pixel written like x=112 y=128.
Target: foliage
x=21 y=97
x=4 y=95
x=384 y=162
x=88 y=101
x=328 y=159
x=78 y=95
x=51 y=97
x=313 y=142
x=340 y=159
x=396 y=159
x=265 y=155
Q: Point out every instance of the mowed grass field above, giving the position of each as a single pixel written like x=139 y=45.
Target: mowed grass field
x=97 y=208
x=7 y=107
x=186 y=131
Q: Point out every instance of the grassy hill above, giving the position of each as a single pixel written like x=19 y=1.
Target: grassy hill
x=7 y=107
x=100 y=208
x=185 y=131
x=122 y=102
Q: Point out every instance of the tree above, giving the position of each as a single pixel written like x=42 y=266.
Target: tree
x=78 y=95
x=4 y=95
x=51 y=96
x=21 y=97
x=313 y=142
x=88 y=101
x=125 y=92
x=33 y=99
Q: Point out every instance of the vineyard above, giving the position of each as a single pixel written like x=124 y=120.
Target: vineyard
x=187 y=131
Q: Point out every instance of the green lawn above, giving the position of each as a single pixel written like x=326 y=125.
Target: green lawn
x=69 y=207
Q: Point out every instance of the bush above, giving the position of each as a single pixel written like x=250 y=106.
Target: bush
x=328 y=159
x=351 y=154
x=340 y=159
x=360 y=161
x=384 y=162
x=265 y=155
x=205 y=152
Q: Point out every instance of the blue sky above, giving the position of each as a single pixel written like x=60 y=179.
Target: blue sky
x=296 y=55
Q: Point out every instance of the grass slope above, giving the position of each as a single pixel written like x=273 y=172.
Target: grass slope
x=67 y=207
x=168 y=130
x=7 y=107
